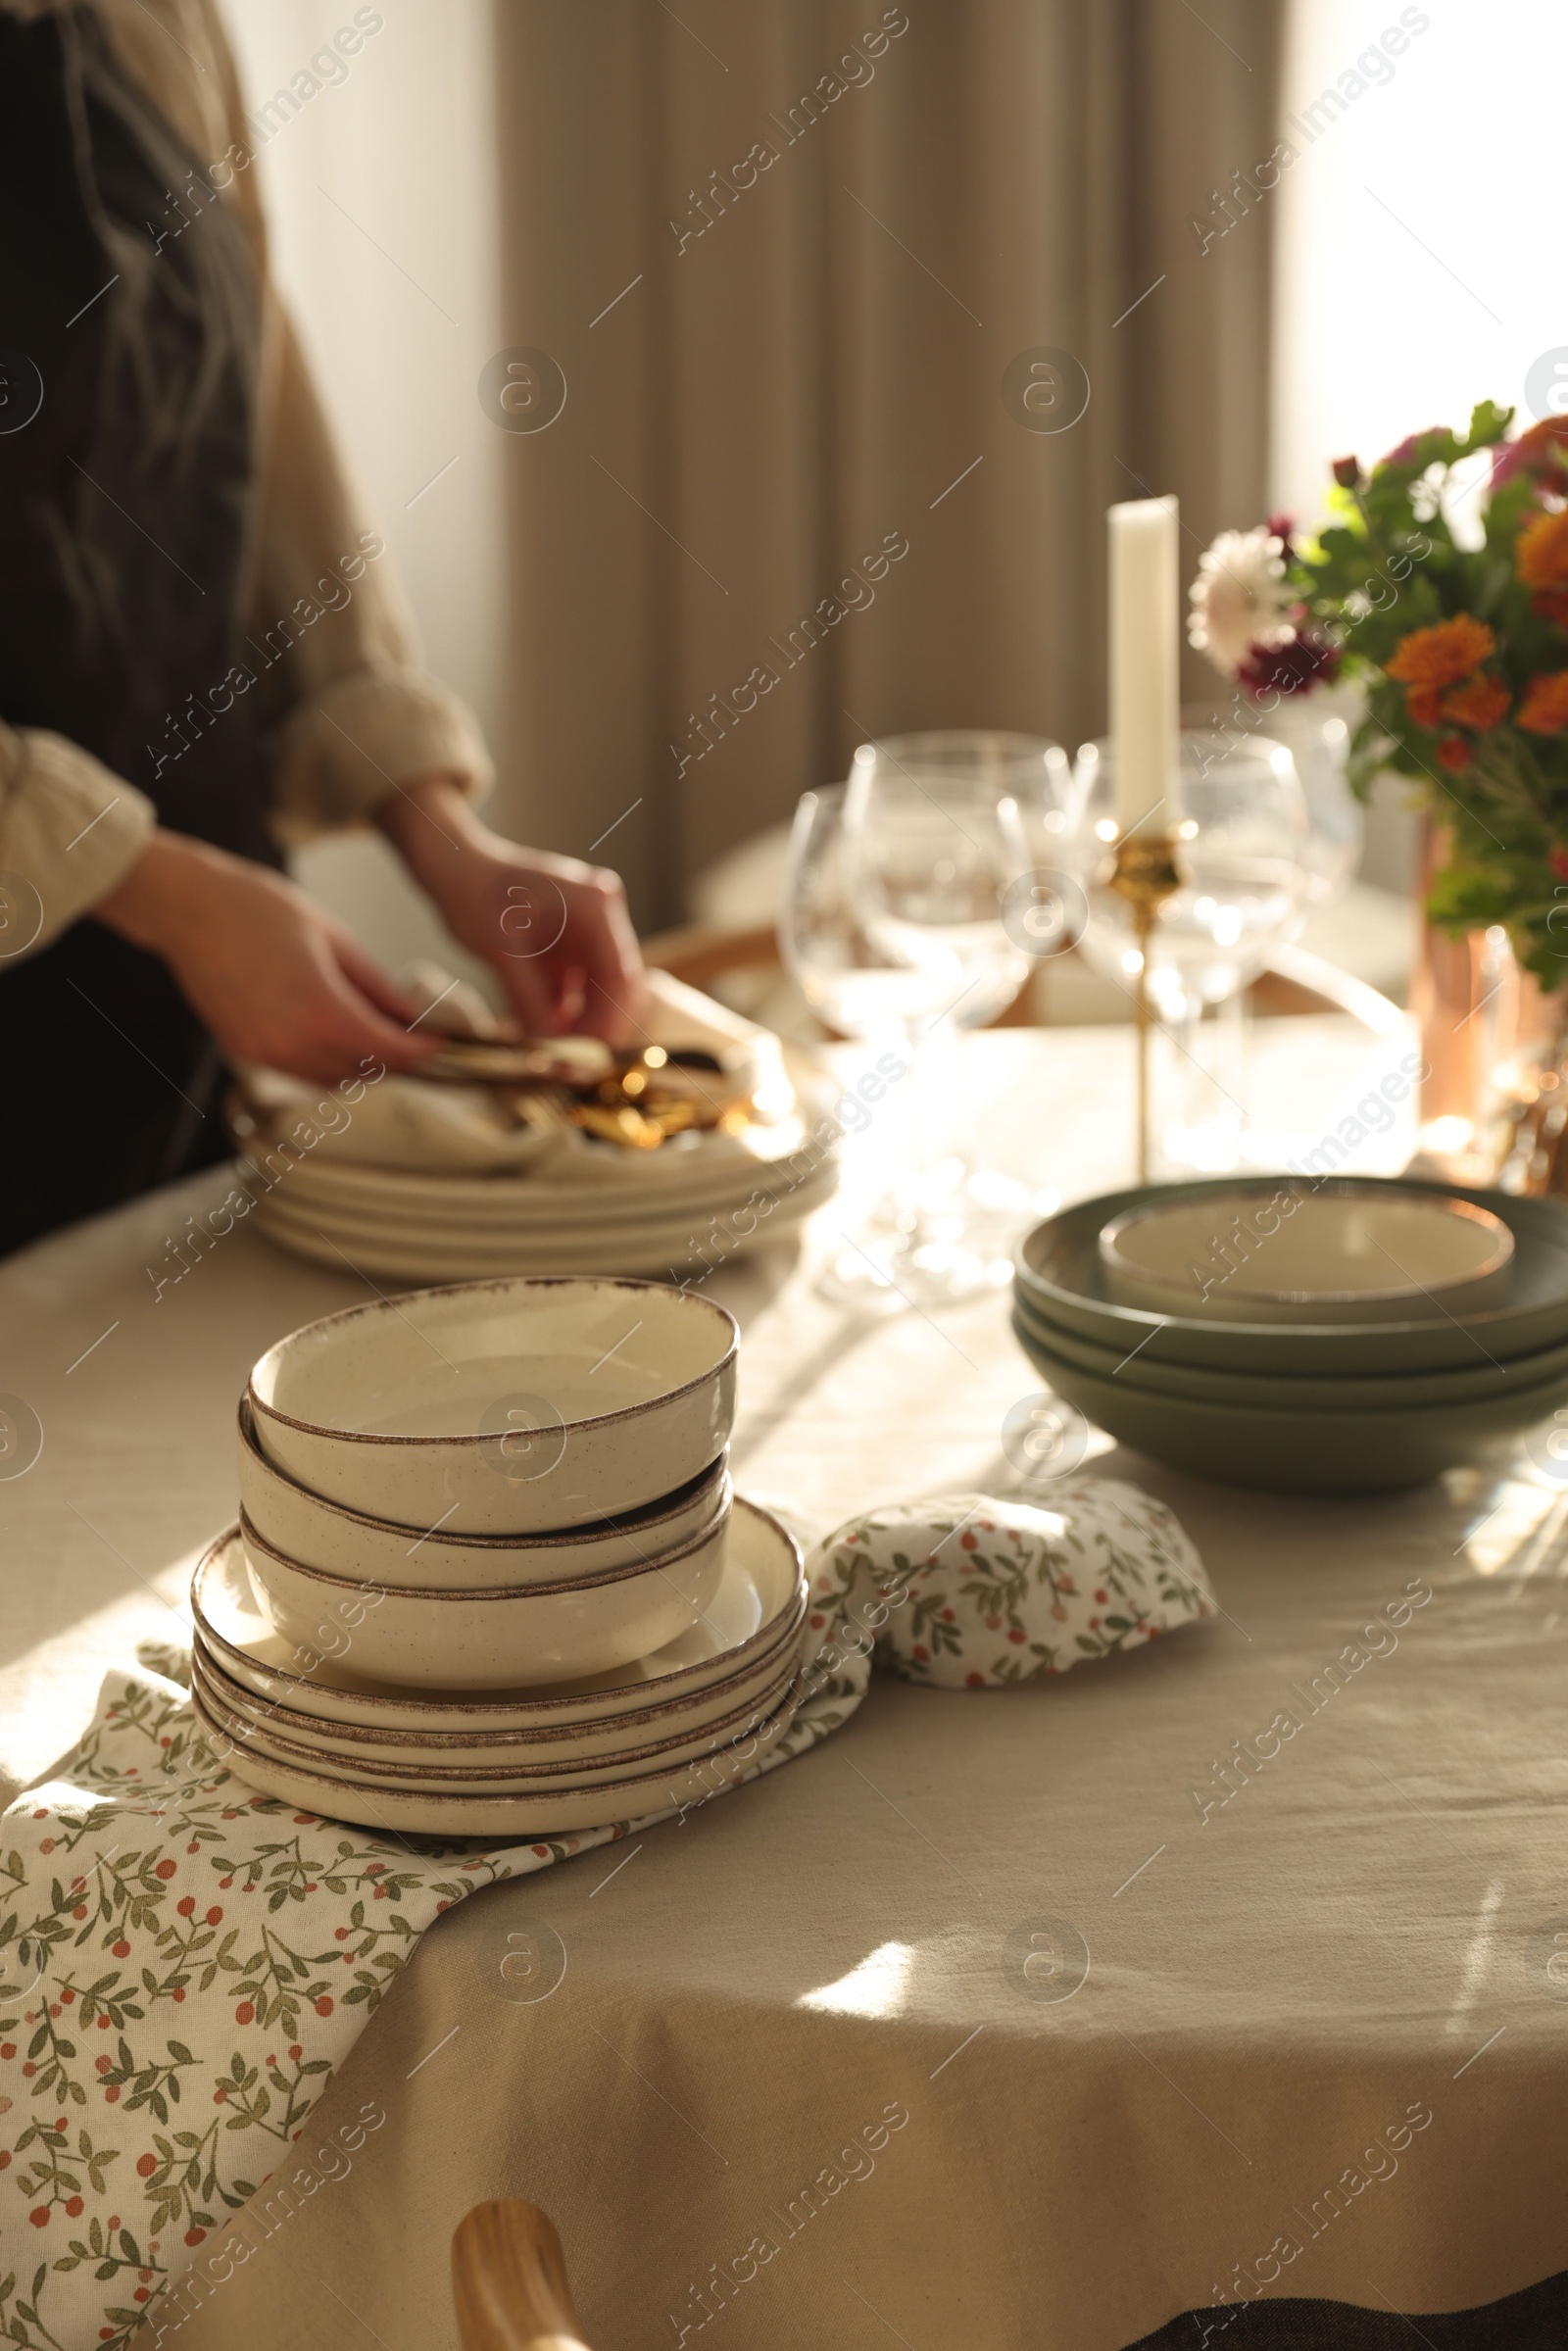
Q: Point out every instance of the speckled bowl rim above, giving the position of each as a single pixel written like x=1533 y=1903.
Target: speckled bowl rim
x=497 y=1282
x=482 y=1595
x=623 y=1522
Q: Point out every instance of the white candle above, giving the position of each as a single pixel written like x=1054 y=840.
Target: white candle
x=1145 y=652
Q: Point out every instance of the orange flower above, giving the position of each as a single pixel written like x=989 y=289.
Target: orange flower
x=1540 y=551
x=1552 y=604
x=1480 y=704
x=1442 y=655
x=1425 y=704
x=1454 y=753
x=1544 y=708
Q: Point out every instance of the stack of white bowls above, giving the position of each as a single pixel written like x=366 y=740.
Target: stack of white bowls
x=489 y=1574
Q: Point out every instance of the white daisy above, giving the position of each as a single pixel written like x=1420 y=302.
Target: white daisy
x=1239 y=598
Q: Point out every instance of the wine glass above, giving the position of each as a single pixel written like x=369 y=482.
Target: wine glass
x=1316 y=729
x=861 y=985
x=858 y=989
x=1245 y=855
x=939 y=858
x=933 y=856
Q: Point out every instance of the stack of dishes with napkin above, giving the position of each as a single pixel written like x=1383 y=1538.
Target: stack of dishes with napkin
x=509 y=1156
x=489 y=1574
x=1330 y=1336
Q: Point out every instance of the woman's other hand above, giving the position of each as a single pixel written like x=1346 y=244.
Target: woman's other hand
x=553 y=930
x=271 y=975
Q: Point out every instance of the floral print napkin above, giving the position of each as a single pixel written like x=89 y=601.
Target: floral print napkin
x=970 y=1594
x=185 y=1964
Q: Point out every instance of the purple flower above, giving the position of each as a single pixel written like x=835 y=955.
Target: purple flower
x=1304 y=660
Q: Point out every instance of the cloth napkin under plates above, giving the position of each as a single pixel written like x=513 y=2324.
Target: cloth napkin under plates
x=409 y=1123
x=185 y=1964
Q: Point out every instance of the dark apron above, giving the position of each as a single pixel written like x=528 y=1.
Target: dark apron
x=125 y=514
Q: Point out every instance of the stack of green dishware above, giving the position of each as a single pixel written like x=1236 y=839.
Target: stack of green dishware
x=1343 y=1407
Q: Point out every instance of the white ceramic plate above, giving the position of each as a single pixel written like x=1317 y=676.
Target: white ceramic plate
x=355 y=1748
x=533 y=1202
x=680 y=1251
x=1343 y=1253
x=521 y=1754
x=421 y=1771
x=502 y=1406
x=426 y=1245
x=291 y=1520
x=761 y=1600
x=404 y=1813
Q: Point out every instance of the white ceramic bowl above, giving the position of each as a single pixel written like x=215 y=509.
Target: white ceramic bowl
x=502 y=1408
x=493 y=1638
x=759 y=1604
x=302 y=1526
x=397 y=1812
x=1277 y=1250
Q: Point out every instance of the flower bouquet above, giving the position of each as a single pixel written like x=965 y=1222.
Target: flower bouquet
x=1459 y=641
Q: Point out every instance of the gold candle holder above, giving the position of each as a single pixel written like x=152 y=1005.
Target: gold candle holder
x=1144 y=874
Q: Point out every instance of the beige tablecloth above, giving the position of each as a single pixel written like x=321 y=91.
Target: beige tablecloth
x=808 y=2070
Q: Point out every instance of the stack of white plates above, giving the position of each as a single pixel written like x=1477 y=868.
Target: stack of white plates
x=675 y=1212
x=668 y=1730
x=488 y=1578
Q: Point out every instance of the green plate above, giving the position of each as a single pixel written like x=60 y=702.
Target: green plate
x=1057 y=1267
x=1292 y=1453
x=1281 y=1391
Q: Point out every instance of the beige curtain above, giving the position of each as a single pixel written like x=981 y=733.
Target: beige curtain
x=807 y=375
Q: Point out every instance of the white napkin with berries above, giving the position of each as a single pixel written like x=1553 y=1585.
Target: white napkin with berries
x=968 y=1592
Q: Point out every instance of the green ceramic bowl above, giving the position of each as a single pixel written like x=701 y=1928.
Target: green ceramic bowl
x=1281 y=1391
x=1058 y=1269
x=1292 y=1453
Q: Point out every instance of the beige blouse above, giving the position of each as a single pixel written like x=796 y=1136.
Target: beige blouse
x=356 y=715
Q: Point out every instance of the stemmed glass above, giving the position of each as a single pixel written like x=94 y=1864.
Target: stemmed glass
x=1246 y=855
x=940 y=854
x=1316 y=729
x=912 y=783
x=892 y=918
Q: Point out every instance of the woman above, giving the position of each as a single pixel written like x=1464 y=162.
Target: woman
x=202 y=656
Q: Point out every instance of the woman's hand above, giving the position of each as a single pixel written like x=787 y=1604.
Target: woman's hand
x=553 y=930
x=273 y=977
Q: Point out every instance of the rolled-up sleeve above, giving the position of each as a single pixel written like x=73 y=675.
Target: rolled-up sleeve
x=70 y=832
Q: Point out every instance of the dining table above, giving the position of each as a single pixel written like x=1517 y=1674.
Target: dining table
x=1029 y=2017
